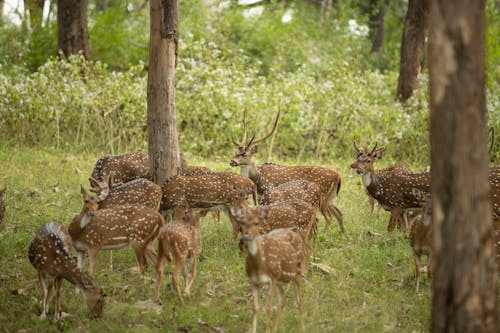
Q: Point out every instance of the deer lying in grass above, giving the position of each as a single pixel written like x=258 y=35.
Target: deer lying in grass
x=179 y=241
x=49 y=253
x=274 y=258
x=421 y=235
x=268 y=175
x=391 y=187
x=215 y=191
x=94 y=230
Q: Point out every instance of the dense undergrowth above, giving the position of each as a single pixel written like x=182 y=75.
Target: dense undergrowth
x=331 y=90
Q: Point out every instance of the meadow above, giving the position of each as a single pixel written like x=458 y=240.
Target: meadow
x=370 y=287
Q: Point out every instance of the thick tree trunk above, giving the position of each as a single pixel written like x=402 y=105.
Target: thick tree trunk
x=465 y=285
x=164 y=160
x=73 y=36
x=412 y=47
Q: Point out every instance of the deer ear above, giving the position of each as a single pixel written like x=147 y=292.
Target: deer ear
x=254 y=149
x=237 y=212
x=264 y=213
x=379 y=153
x=82 y=190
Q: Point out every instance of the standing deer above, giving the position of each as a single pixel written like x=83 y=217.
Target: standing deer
x=267 y=176
x=49 y=253
x=94 y=230
x=139 y=191
x=180 y=240
x=421 y=235
x=216 y=191
x=391 y=187
x=275 y=258
x=295 y=189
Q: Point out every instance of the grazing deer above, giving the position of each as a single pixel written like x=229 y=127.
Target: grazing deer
x=216 y=191
x=2 y=205
x=391 y=187
x=268 y=175
x=275 y=258
x=180 y=240
x=421 y=235
x=295 y=189
x=94 y=230
x=49 y=253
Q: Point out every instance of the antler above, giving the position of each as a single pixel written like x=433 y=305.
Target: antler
x=253 y=142
x=374 y=148
x=356 y=147
x=242 y=142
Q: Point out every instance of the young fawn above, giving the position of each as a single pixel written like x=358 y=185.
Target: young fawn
x=49 y=253
x=94 y=230
x=178 y=241
x=421 y=235
x=275 y=258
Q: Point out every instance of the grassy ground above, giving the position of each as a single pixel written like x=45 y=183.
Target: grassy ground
x=371 y=288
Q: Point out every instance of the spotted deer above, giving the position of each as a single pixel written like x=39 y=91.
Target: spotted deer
x=215 y=191
x=125 y=168
x=94 y=230
x=49 y=252
x=268 y=175
x=295 y=189
x=274 y=258
x=391 y=187
x=179 y=241
x=139 y=191
x=421 y=235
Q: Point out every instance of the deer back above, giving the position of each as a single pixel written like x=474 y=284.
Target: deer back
x=295 y=189
x=138 y=191
x=124 y=167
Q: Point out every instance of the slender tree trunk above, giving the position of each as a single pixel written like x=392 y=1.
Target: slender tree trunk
x=164 y=160
x=376 y=15
x=35 y=12
x=413 y=47
x=73 y=36
x=465 y=283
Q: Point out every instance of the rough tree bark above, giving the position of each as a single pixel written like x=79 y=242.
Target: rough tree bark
x=73 y=36
x=412 y=47
x=465 y=285
x=163 y=150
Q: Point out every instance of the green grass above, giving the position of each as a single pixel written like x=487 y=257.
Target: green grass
x=371 y=290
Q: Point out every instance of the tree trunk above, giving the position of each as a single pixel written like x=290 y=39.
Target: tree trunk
x=465 y=285
x=376 y=14
x=34 y=8
x=412 y=47
x=73 y=36
x=164 y=160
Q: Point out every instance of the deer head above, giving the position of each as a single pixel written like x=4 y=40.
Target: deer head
x=365 y=158
x=244 y=155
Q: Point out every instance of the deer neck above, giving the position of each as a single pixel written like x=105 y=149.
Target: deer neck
x=250 y=171
x=79 y=222
x=256 y=263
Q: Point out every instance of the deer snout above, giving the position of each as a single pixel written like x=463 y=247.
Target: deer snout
x=233 y=163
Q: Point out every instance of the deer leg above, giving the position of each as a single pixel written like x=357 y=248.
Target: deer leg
x=281 y=306
x=269 y=303
x=45 y=285
x=193 y=274
x=140 y=250
x=79 y=259
x=57 y=287
x=298 y=295
x=179 y=264
x=326 y=213
x=159 y=274
x=338 y=215
x=92 y=260
x=111 y=259
x=416 y=258
x=234 y=223
x=255 y=294
x=150 y=253
x=393 y=219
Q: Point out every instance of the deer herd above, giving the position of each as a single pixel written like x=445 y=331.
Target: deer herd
x=127 y=208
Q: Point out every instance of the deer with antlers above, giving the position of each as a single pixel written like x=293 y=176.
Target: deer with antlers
x=94 y=230
x=267 y=176
x=215 y=191
x=49 y=252
x=391 y=187
x=179 y=241
x=274 y=258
